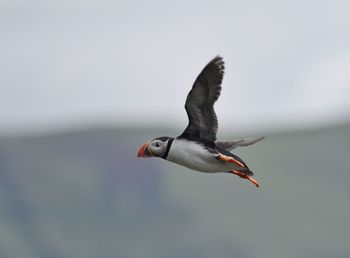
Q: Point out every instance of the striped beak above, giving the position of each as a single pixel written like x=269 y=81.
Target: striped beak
x=143 y=152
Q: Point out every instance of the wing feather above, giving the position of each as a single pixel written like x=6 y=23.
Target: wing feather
x=238 y=143
x=203 y=124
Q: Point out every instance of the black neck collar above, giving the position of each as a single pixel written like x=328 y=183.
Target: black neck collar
x=170 y=142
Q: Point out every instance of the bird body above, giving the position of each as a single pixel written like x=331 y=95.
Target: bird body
x=198 y=157
x=196 y=148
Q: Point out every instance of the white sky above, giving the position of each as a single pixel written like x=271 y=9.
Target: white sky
x=71 y=63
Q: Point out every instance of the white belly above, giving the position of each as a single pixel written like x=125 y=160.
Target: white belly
x=196 y=157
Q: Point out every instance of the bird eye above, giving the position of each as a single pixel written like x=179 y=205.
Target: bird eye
x=157 y=144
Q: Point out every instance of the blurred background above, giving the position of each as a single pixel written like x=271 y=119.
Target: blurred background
x=84 y=83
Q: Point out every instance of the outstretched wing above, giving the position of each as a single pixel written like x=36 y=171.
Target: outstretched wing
x=238 y=143
x=199 y=106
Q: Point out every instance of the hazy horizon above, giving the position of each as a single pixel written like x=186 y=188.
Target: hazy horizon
x=86 y=194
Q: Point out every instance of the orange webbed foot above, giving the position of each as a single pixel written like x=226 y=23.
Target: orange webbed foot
x=245 y=176
x=230 y=159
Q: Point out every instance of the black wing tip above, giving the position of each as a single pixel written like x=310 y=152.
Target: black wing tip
x=217 y=58
x=219 y=61
x=216 y=64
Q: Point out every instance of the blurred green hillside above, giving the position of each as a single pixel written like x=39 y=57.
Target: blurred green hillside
x=85 y=194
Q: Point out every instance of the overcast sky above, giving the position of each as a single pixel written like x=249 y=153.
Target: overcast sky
x=71 y=63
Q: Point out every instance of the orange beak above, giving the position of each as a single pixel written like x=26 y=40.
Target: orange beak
x=143 y=151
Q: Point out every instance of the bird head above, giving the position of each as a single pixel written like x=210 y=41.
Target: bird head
x=154 y=148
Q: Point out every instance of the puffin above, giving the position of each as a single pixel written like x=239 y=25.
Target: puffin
x=196 y=148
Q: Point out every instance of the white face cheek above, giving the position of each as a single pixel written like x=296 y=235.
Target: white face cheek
x=157 y=148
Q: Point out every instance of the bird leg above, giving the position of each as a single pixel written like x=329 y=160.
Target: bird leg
x=237 y=172
x=230 y=159
x=245 y=176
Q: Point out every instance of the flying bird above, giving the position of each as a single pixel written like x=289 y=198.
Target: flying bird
x=196 y=148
